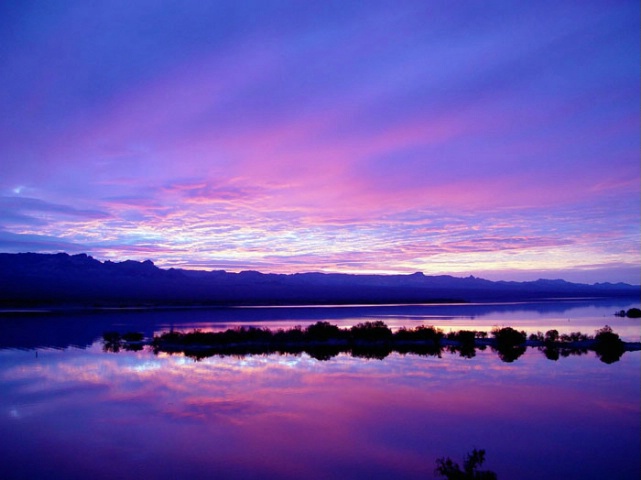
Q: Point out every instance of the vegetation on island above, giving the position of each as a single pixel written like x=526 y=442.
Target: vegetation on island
x=373 y=340
x=608 y=345
x=630 y=313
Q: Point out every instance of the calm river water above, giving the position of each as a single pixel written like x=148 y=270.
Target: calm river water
x=70 y=410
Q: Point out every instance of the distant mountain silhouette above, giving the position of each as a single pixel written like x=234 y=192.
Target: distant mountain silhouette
x=31 y=279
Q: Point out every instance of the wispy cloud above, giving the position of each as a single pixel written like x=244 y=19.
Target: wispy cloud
x=16 y=243
x=35 y=211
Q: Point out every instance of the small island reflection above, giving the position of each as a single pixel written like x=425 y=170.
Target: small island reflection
x=372 y=340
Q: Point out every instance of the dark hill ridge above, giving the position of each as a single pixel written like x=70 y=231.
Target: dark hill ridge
x=30 y=279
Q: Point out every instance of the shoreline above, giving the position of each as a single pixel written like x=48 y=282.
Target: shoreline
x=79 y=308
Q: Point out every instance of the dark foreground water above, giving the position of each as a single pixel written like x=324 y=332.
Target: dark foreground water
x=70 y=410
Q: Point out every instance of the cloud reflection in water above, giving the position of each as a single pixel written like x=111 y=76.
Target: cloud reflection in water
x=87 y=413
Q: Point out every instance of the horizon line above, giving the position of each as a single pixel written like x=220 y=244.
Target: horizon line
x=381 y=273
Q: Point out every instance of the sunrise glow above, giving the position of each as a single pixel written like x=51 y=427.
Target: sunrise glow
x=494 y=139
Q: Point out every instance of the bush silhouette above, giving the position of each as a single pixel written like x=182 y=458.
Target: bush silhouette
x=421 y=333
x=551 y=336
x=466 y=343
x=536 y=337
x=633 y=313
x=371 y=331
x=510 y=343
x=508 y=337
x=323 y=331
x=606 y=337
x=608 y=346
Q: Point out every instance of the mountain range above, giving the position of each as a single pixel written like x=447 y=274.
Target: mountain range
x=32 y=279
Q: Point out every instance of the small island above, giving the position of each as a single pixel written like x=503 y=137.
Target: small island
x=373 y=340
x=630 y=313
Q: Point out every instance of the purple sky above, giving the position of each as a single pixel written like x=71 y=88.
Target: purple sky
x=498 y=139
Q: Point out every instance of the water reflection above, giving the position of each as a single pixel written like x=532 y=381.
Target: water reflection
x=328 y=352
x=87 y=414
x=84 y=413
x=449 y=469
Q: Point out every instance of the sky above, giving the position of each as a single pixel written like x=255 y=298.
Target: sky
x=499 y=139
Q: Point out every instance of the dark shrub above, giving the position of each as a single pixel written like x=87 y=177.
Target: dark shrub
x=578 y=337
x=419 y=334
x=169 y=337
x=198 y=337
x=551 y=336
x=608 y=345
x=633 y=313
x=465 y=337
x=293 y=335
x=403 y=334
x=323 y=331
x=509 y=343
x=244 y=334
x=466 y=343
x=536 y=337
x=256 y=334
x=606 y=337
x=371 y=331
x=508 y=337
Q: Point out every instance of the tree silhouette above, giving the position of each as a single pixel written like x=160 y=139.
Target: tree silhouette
x=371 y=331
x=323 y=331
x=609 y=346
x=633 y=313
x=551 y=336
x=510 y=343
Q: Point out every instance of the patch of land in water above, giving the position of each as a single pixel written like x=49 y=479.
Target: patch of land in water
x=323 y=340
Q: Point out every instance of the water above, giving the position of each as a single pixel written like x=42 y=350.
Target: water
x=70 y=410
